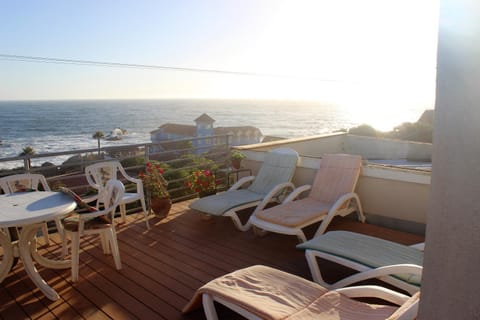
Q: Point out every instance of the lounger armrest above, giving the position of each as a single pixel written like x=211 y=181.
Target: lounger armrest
x=297 y=192
x=336 y=207
x=419 y=246
x=370 y=291
x=241 y=182
x=380 y=272
x=279 y=188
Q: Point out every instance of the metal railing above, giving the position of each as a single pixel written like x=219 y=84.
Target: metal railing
x=179 y=156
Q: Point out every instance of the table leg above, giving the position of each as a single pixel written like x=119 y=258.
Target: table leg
x=46 y=262
x=27 y=247
x=8 y=257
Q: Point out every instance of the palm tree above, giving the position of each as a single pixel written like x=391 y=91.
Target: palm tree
x=98 y=135
x=28 y=151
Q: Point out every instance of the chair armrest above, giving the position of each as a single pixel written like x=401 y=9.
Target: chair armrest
x=379 y=272
x=90 y=215
x=297 y=192
x=241 y=182
x=273 y=193
x=134 y=180
x=91 y=198
x=126 y=176
x=335 y=208
x=369 y=291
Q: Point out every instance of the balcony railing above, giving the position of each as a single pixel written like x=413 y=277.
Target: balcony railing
x=179 y=156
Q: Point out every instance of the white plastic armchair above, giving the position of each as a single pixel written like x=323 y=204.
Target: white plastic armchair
x=99 y=173
x=96 y=222
x=29 y=182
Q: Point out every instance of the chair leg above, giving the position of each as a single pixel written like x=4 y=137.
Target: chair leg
x=209 y=307
x=238 y=224
x=112 y=239
x=123 y=212
x=64 y=245
x=75 y=237
x=59 y=226
x=145 y=212
x=301 y=236
x=104 y=241
x=45 y=233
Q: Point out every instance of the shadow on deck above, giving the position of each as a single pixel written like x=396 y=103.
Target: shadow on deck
x=162 y=268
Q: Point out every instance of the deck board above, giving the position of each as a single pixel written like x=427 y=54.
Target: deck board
x=162 y=268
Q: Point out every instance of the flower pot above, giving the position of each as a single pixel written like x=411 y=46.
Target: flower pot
x=160 y=206
x=236 y=163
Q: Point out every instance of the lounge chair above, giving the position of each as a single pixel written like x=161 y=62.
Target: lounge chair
x=272 y=180
x=363 y=253
x=331 y=195
x=261 y=292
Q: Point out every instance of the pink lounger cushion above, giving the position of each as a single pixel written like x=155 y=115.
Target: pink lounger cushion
x=273 y=294
x=295 y=213
x=337 y=176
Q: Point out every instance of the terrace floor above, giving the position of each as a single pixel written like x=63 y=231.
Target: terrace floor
x=162 y=268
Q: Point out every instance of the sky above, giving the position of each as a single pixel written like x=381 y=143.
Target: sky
x=349 y=51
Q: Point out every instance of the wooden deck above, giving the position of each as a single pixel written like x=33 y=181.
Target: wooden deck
x=162 y=268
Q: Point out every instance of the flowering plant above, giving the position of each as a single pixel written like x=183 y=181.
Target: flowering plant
x=153 y=181
x=201 y=181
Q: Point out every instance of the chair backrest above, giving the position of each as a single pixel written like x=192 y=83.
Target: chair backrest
x=278 y=167
x=338 y=175
x=23 y=182
x=111 y=196
x=98 y=174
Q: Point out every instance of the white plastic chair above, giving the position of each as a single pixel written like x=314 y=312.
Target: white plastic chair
x=98 y=222
x=29 y=182
x=99 y=173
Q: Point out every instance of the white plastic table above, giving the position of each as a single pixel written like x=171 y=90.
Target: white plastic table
x=29 y=210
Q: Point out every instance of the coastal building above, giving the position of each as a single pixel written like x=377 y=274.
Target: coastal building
x=240 y=135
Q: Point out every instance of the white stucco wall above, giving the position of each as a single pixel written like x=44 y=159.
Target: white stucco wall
x=451 y=276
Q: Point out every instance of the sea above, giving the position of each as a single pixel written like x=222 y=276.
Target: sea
x=56 y=126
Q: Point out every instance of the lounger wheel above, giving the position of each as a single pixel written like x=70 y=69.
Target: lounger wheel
x=206 y=217
x=259 y=231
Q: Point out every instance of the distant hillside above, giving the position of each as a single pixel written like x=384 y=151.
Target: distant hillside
x=420 y=131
